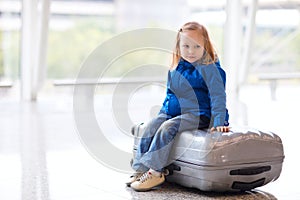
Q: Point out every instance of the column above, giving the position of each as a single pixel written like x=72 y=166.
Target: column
x=35 y=17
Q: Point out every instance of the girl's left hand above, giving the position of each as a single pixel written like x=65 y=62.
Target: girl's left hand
x=220 y=129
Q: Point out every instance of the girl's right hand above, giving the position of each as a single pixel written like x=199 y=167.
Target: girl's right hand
x=220 y=129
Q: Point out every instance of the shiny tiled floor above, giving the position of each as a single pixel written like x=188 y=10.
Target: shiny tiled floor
x=41 y=156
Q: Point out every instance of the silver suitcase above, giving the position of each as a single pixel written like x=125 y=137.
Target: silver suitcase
x=239 y=160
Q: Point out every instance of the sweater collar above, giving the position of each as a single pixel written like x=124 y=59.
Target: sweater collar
x=185 y=64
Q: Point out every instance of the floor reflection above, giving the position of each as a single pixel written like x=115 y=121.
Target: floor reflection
x=177 y=192
x=33 y=154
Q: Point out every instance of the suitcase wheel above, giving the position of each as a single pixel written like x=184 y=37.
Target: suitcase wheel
x=171 y=168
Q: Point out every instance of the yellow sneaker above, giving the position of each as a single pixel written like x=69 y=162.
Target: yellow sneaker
x=147 y=181
x=133 y=178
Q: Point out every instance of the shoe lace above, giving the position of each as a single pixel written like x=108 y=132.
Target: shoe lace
x=136 y=175
x=145 y=177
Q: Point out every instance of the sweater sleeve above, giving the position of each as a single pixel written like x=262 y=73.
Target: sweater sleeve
x=215 y=81
x=164 y=105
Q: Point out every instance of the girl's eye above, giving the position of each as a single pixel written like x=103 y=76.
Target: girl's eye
x=185 y=46
x=197 y=46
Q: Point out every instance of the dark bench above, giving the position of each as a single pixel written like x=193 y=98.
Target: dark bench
x=6 y=84
x=274 y=77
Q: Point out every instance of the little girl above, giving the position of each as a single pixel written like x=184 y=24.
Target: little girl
x=195 y=99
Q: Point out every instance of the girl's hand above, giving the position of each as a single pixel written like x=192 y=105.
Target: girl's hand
x=220 y=129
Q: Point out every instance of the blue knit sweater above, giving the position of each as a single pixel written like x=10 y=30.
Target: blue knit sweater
x=197 y=89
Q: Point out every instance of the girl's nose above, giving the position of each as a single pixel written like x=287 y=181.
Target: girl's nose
x=190 y=50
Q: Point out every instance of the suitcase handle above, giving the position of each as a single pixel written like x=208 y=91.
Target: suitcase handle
x=137 y=126
x=243 y=186
x=250 y=171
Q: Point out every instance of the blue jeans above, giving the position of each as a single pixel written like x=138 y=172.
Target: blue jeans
x=155 y=146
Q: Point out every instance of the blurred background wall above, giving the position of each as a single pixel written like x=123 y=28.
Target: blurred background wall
x=44 y=43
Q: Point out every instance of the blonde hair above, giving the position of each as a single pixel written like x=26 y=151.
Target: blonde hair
x=209 y=55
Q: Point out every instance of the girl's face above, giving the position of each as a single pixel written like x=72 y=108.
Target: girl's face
x=191 y=46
